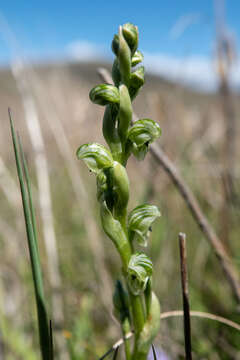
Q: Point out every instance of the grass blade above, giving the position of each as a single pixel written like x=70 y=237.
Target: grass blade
x=33 y=251
x=185 y=295
x=29 y=190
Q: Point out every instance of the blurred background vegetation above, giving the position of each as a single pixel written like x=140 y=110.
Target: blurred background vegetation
x=200 y=133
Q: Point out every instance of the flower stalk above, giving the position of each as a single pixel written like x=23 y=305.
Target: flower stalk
x=135 y=304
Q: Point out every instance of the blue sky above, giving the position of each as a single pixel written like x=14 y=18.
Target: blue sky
x=53 y=29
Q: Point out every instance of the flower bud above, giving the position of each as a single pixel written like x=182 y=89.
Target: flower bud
x=116 y=75
x=141 y=134
x=143 y=131
x=104 y=94
x=125 y=113
x=139 y=221
x=138 y=272
x=137 y=77
x=120 y=183
x=115 y=44
x=136 y=81
x=124 y=59
x=130 y=33
x=137 y=58
x=96 y=156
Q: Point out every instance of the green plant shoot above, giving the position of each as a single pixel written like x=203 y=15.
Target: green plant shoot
x=135 y=305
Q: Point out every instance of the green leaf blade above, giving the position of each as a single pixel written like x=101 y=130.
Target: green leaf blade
x=34 y=254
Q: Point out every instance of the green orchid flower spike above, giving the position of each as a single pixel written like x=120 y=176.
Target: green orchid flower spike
x=136 y=82
x=135 y=305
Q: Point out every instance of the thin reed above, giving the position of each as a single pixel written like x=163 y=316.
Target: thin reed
x=45 y=330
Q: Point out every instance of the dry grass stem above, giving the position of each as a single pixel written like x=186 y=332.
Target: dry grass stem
x=179 y=313
x=185 y=295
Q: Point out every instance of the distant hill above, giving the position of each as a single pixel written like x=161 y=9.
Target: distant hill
x=60 y=91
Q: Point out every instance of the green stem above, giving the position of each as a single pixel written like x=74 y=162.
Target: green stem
x=125 y=253
x=137 y=313
x=121 y=216
x=139 y=356
x=136 y=301
x=138 y=322
x=151 y=327
x=125 y=330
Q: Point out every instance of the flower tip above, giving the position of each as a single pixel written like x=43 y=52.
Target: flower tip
x=130 y=33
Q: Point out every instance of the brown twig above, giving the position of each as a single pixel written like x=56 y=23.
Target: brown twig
x=192 y=203
x=154 y=352
x=115 y=353
x=203 y=315
x=185 y=295
x=178 y=313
